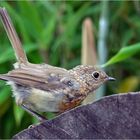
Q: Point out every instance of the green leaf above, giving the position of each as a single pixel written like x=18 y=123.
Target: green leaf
x=4 y=98
x=9 y=54
x=123 y=54
x=18 y=113
x=4 y=94
x=4 y=107
x=47 y=33
x=27 y=7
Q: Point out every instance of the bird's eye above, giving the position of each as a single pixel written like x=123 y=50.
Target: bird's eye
x=69 y=83
x=96 y=74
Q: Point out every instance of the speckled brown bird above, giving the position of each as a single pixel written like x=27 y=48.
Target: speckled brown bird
x=45 y=88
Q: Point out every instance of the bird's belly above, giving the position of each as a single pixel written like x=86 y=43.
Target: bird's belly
x=43 y=101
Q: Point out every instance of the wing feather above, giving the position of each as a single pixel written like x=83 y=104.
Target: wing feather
x=48 y=80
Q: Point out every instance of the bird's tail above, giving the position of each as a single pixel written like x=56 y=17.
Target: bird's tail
x=13 y=37
x=4 y=77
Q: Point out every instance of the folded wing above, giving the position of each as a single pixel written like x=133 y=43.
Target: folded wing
x=48 y=80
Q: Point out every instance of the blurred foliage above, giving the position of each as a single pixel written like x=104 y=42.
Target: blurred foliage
x=51 y=33
x=123 y=54
x=128 y=84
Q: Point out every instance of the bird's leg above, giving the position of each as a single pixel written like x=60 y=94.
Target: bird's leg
x=35 y=114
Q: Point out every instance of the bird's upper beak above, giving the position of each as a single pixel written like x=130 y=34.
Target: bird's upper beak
x=111 y=79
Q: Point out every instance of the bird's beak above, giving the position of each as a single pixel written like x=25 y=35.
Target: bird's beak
x=111 y=79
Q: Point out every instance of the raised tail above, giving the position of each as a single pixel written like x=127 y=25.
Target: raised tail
x=13 y=37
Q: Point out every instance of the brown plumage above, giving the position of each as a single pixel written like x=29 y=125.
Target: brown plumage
x=45 y=88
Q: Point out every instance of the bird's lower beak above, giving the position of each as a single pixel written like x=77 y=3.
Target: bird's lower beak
x=111 y=79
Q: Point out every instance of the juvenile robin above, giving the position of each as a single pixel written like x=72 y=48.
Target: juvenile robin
x=45 y=88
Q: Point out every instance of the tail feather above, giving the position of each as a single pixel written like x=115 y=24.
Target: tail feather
x=4 y=77
x=13 y=37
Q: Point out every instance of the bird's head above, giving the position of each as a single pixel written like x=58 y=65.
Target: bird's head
x=91 y=76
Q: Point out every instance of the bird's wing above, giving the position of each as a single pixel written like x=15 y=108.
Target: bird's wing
x=50 y=79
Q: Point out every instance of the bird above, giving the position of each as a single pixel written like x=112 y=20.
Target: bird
x=44 y=88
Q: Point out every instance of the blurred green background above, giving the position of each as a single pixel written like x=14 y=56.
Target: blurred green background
x=51 y=32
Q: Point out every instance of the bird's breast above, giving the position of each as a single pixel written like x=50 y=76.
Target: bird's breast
x=44 y=101
x=67 y=105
